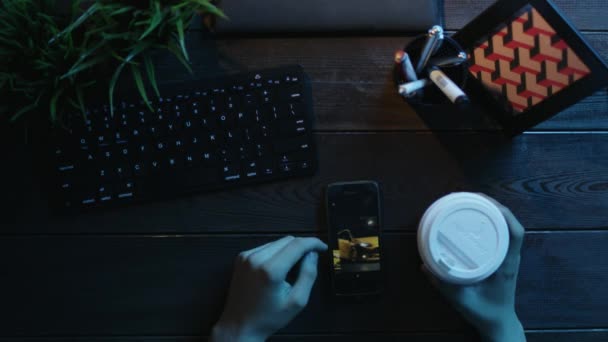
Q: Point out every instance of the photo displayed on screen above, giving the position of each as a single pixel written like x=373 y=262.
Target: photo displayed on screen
x=524 y=61
x=358 y=247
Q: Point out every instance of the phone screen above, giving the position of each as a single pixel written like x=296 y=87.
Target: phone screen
x=354 y=218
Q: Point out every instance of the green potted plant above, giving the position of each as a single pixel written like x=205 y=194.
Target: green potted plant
x=51 y=58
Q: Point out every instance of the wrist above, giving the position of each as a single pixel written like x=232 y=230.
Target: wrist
x=508 y=330
x=229 y=332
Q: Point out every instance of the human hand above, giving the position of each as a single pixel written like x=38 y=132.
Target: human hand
x=260 y=300
x=490 y=304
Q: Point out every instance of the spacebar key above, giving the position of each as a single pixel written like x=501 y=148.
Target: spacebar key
x=178 y=182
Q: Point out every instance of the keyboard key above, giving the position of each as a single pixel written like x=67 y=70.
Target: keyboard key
x=287 y=167
x=266 y=167
x=216 y=138
x=269 y=113
x=106 y=175
x=293 y=157
x=104 y=193
x=304 y=165
x=123 y=171
x=296 y=144
x=139 y=169
x=226 y=120
x=245 y=152
x=208 y=124
x=156 y=166
x=233 y=137
x=174 y=163
x=243 y=119
x=191 y=160
x=231 y=172
x=208 y=158
x=161 y=146
x=289 y=128
x=251 y=169
x=125 y=191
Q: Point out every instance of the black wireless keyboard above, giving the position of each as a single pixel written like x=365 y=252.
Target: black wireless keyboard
x=202 y=135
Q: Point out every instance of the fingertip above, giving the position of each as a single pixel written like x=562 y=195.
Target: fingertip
x=312 y=257
x=318 y=245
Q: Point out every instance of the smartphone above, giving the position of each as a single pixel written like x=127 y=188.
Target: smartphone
x=354 y=218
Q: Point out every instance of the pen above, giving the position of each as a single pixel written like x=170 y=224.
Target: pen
x=432 y=38
x=446 y=62
x=411 y=88
x=447 y=86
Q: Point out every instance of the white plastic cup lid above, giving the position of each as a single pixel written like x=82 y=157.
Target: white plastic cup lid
x=463 y=238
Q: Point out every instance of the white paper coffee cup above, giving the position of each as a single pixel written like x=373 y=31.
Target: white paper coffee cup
x=463 y=238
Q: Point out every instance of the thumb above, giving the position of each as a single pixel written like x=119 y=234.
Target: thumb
x=300 y=292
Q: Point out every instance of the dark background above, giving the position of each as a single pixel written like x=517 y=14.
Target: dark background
x=159 y=272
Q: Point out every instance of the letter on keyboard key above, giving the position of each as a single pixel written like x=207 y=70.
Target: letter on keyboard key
x=139 y=169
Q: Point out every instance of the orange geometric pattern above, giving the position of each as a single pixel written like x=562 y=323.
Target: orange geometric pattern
x=526 y=61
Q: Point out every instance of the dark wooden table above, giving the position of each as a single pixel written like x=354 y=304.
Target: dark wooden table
x=159 y=272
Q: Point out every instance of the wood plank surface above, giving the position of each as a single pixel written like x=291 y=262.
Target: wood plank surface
x=352 y=81
x=587 y=15
x=551 y=181
x=457 y=13
x=593 y=335
x=175 y=286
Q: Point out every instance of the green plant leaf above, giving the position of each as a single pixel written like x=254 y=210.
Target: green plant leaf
x=89 y=12
x=53 y=104
x=80 y=98
x=210 y=8
x=139 y=82
x=113 y=81
x=151 y=74
x=172 y=46
x=22 y=111
x=121 y=11
x=156 y=19
x=79 y=67
x=180 y=34
x=136 y=50
x=12 y=43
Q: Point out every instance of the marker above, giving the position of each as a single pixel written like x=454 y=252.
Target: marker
x=411 y=88
x=447 y=86
x=432 y=38
x=408 y=68
x=447 y=62
x=439 y=41
x=403 y=61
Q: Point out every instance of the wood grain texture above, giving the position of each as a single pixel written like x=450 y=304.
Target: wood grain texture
x=175 y=286
x=551 y=181
x=588 y=15
x=585 y=16
x=581 y=335
x=352 y=81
